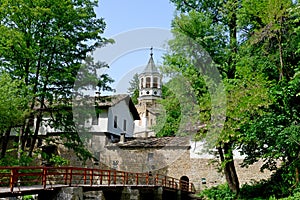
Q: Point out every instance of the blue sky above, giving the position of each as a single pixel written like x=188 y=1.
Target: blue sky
x=135 y=25
x=124 y=15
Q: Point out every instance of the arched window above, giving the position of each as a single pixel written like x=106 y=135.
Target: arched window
x=155 y=82
x=184 y=183
x=148 y=82
x=142 y=83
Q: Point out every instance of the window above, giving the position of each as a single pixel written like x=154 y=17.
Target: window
x=155 y=82
x=115 y=122
x=150 y=157
x=95 y=119
x=124 y=125
x=142 y=83
x=148 y=81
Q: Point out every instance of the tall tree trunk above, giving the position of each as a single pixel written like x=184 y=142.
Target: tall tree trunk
x=226 y=157
x=26 y=132
x=297 y=175
x=36 y=132
x=232 y=25
x=20 y=141
x=5 y=140
x=42 y=99
x=280 y=69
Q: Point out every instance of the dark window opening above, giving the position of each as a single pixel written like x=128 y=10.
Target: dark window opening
x=115 y=122
x=124 y=125
x=155 y=82
x=142 y=83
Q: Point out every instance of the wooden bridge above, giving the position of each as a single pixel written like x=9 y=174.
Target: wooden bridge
x=17 y=181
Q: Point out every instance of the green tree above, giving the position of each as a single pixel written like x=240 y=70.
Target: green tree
x=133 y=89
x=206 y=30
x=45 y=48
x=208 y=23
x=273 y=47
x=13 y=108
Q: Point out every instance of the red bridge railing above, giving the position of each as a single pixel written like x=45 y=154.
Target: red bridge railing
x=47 y=177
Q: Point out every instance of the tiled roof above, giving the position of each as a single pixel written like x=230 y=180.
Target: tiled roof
x=107 y=101
x=150 y=68
x=154 y=142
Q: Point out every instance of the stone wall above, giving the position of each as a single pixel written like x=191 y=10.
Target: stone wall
x=170 y=161
x=198 y=169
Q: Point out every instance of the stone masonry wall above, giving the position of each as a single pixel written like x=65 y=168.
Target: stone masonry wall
x=196 y=169
x=174 y=162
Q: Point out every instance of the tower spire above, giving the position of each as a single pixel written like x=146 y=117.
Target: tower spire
x=151 y=51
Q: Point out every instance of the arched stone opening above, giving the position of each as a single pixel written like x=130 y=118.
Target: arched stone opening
x=184 y=183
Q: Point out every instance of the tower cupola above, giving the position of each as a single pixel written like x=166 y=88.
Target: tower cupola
x=150 y=81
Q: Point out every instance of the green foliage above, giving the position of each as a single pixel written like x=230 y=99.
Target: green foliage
x=28 y=197
x=10 y=160
x=277 y=187
x=218 y=193
x=88 y=77
x=228 y=89
x=135 y=96
x=133 y=89
x=260 y=71
x=44 y=49
x=58 y=160
x=169 y=119
x=274 y=188
x=179 y=109
x=13 y=102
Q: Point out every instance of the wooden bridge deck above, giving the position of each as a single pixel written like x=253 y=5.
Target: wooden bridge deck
x=20 y=180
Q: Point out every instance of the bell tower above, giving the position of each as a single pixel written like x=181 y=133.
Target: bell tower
x=150 y=90
x=150 y=81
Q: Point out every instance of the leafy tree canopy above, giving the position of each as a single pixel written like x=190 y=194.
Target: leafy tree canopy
x=44 y=44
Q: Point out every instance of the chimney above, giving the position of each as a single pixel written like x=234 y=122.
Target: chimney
x=97 y=94
x=122 y=138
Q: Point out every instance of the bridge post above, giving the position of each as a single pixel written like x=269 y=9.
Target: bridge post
x=44 y=178
x=91 y=177
x=66 y=176
x=70 y=179
x=13 y=178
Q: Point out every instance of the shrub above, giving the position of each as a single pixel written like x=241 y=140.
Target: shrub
x=218 y=192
